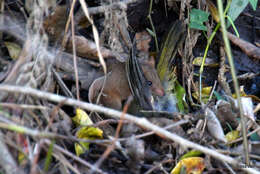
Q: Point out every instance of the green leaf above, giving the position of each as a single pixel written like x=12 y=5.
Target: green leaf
x=236 y=7
x=180 y=95
x=192 y=153
x=49 y=157
x=197 y=17
x=233 y=25
x=253 y=3
x=254 y=137
x=218 y=96
x=150 y=32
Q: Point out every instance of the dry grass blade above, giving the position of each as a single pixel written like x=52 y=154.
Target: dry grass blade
x=96 y=38
x=95 y=33
x=74 y=49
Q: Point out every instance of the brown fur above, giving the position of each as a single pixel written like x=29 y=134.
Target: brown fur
x=117 y=89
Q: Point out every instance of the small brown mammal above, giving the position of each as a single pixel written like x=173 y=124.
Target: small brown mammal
x=117 y=88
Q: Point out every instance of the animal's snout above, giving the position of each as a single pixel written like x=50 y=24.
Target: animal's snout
x=159 y=92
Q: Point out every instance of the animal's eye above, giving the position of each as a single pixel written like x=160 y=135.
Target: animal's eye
x=149 y=83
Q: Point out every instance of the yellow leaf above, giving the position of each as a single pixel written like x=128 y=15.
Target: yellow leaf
x=88 y=133
x=193 y=165
x=21 y=158
x=81 y=118
x=80 y=149
x=192 y=153
x=13 y=49
x=205 y=92
x=208 y=62
x=241 y=91
x=232 y=135
x=213 y=10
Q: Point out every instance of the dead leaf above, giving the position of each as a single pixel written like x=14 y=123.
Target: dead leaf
x=225 y=114
x=193 y=165
x=213 y=10
x=214 y=126
x=13 y=49
x=247 y=105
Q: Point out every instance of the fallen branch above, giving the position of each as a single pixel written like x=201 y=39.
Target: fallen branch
x=248 y=48
x=88 y=49
x=112 y=6
x=116 y=114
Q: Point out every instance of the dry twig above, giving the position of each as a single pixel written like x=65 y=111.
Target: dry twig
x=248 y=48
x=221 y=75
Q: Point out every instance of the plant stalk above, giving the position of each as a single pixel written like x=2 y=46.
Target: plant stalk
x=233 y=73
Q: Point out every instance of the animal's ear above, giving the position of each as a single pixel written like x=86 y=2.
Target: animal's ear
x=151 y=61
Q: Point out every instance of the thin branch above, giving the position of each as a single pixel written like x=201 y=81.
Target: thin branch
x=23 y=106
x=221 y=74
x=151 y=23
x=74 y=49
x=28 y=131
x=96 y=38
